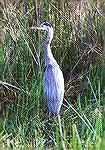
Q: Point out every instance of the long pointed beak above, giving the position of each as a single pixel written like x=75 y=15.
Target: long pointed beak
x=33 y=27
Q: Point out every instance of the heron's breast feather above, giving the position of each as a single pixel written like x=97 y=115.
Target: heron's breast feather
x=53 y=83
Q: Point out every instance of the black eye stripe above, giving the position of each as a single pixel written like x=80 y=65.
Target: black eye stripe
x=47 y=24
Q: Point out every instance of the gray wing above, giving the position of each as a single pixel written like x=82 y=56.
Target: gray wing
x=53 y=85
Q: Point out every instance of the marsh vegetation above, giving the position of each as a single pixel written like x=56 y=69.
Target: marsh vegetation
x=78 y=47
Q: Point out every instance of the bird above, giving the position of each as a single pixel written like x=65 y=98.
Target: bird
x=53 y=80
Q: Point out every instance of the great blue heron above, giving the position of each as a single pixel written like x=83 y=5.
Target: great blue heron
x=53 y=81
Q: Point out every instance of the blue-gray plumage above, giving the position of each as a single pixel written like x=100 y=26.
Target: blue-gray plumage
x=53 y=81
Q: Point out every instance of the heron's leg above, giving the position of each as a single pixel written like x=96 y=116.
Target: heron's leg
x=49 y=116
x=60 y=129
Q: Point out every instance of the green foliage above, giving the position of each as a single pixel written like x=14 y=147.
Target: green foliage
x=77 y=47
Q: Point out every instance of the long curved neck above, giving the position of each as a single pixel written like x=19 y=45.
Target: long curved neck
x=47 y=50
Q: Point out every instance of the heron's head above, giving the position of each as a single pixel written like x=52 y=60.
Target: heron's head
x=45 y=26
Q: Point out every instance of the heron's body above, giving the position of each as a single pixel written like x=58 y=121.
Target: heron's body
x=53 y=81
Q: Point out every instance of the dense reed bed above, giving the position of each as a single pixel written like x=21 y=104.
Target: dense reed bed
x=78 y=46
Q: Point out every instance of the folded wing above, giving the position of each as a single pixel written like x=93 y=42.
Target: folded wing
x=53 y=85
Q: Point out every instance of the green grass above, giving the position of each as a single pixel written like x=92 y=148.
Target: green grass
x=25 y=123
